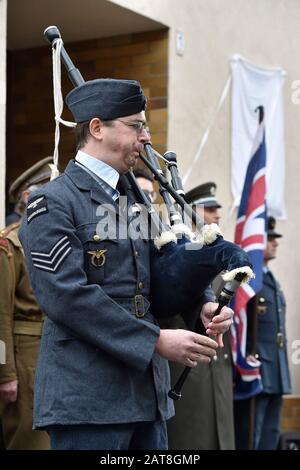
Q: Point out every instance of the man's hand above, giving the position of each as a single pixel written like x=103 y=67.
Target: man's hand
x=216 y=326
x=9 y=391
x=186 y=347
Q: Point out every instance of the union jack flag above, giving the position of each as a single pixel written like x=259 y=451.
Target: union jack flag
x=250 y=234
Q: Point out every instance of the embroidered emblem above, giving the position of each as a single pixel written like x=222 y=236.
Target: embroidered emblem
x=37 y=206
x=98 y=258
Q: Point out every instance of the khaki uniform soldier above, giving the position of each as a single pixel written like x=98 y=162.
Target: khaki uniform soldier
x=204 y=416
x=20 y=326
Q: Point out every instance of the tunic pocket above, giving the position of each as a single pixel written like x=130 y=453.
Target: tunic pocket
x=98 y=253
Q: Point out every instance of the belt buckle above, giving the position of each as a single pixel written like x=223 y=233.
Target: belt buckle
x=280 y=340
x=139 y=306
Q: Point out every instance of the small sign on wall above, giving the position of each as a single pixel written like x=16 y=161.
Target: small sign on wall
x=179 y=42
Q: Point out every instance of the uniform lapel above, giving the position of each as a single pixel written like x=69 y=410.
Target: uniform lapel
x=269 y=280
x=83 y=180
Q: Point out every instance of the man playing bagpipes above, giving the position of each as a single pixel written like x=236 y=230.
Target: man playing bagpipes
x=102 y=380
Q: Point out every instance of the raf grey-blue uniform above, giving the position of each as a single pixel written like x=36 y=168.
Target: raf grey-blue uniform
x=97 y=363
x=272 y=352
x=94 y=347
x=271 y=347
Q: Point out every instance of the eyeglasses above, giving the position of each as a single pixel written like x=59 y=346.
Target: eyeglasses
x=138 y=126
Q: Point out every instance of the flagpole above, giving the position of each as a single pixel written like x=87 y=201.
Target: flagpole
x=252 y=408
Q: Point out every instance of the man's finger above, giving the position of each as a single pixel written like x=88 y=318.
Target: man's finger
x=191 y=363
x=205 y=341
x=219 y=340
x=223 y=316
x=205 y=351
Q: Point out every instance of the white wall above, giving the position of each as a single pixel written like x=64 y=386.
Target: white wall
x=267 y=33
x=2 y=107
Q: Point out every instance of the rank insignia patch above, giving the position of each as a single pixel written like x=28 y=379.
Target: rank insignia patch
x=52 y=260
x=37 y=206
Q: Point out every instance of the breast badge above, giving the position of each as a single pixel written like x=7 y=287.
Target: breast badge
x=98 y=258
x=261 y=306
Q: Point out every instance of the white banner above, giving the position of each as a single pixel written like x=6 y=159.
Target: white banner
x=253 y=86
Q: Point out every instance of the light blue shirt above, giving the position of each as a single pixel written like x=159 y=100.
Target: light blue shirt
x=106 y=173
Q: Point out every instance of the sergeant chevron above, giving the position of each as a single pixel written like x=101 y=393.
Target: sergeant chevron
x=52 y=260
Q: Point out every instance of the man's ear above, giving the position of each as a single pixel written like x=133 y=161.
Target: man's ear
x=25 y=196
x=96 y=128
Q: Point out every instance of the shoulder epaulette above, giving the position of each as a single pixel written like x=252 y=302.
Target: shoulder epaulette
x=6 y=230
x=4 y=233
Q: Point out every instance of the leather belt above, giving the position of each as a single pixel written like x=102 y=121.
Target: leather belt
x=137 y=305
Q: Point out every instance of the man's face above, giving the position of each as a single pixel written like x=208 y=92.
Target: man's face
x=34 y=187
x=271 y=249
x=123 y=141
x=211 y=215
x=147 y=186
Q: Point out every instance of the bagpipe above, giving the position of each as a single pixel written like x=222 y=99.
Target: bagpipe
x=182 y=265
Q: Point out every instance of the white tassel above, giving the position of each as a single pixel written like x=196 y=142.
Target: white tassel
x=208 y=234
x=230 y=275
x=183 y=230
x=165 y=237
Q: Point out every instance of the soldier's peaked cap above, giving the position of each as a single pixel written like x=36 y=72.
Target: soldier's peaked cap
x=106 y=98
x=204 y=194
x=271 y=228
x=37 y=173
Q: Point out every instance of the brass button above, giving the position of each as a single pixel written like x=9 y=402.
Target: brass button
x=96 y=238
x=141 y=285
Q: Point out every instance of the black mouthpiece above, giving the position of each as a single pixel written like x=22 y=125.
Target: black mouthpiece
x=52 y=34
